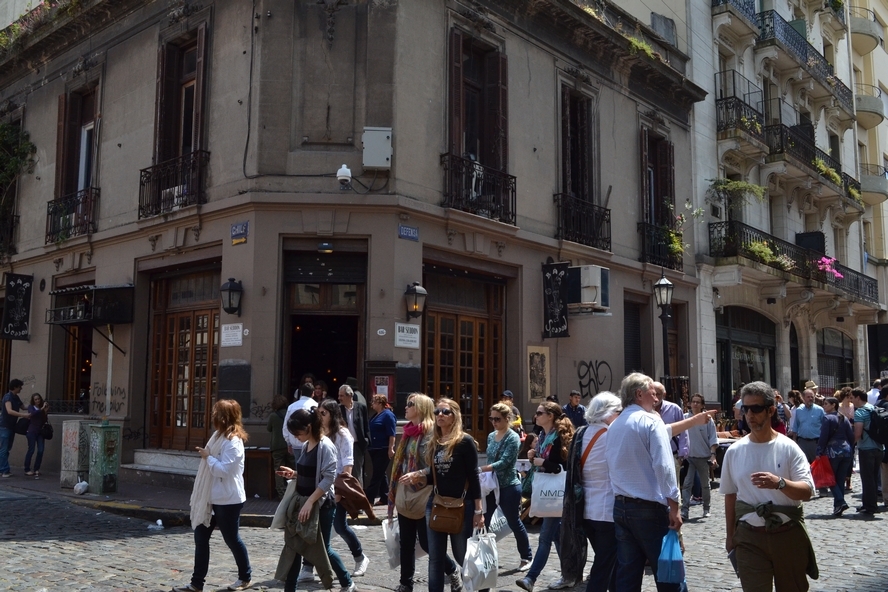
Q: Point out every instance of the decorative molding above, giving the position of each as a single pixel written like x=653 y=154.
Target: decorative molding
x=82 y=65
x=181 y=10
x=58 y=262
x=579 y=74
x=153 y=240
x=331 y=7
x=451 y=233
x=89 y=257
x=500 y=247
x=477 y=15
x=654 y=115
x=195 y=230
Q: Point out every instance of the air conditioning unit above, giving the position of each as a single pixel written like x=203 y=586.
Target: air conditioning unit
x=588 y=288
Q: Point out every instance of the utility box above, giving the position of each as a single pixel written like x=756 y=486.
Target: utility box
x=104 y=458
x=377 y=143
x=588 y=286
x=75 y=452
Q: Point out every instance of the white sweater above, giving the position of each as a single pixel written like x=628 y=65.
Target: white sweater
x=227 y=470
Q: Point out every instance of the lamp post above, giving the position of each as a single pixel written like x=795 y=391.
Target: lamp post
x=231 y=293
x=663 y=295
x=416 y=297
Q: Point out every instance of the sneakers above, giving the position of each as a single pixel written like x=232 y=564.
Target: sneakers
x=187 y=588
x=525 y=564
x=561 y=584
x=685 y=517
x=525 y=584
x=306 y=575
x=361 y=566
x=455 y=581
x=350 y=588
x=839 y=510
x=696 y=501
x=240 y=585
x=29 y=473
x=707 y=513
x=404 y=588
x=5 y=475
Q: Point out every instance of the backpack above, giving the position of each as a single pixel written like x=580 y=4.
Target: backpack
x=878 y=429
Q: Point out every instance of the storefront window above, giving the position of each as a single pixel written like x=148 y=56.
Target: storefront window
x=749 y=364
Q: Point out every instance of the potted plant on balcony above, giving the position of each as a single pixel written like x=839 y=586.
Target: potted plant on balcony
x=734 y=193
x=760 y=250
x=751 y=125
x=827 y=171
x=784 y=262
x=854 y=194
x=827 y=265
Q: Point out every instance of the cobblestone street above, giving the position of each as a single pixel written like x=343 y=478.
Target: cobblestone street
x=52 y=544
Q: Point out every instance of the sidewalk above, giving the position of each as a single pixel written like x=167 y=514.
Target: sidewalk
x=147 y=502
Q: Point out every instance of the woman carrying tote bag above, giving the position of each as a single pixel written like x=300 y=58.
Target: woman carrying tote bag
x=408 y=492
x=548 y=456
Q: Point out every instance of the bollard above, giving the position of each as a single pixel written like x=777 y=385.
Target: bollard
x=104 y=457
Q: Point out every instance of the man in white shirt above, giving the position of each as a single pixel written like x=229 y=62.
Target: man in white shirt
x=873 y=395
x=641 y=468
x=304 y=401
x=765 y=478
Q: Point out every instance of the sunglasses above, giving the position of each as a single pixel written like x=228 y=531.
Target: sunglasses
x=753 y=408
x=541 y=412
x=443 y=411
x=496 y=419
x=411 y=404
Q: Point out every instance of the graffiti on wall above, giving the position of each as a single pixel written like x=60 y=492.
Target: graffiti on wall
x=594 y=377
x=97 y=400
x=259 y=411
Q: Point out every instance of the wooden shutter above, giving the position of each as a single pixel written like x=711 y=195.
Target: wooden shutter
x=455 y=93
x=496 y=110
x=72 y=144
x=645 y=181
x=565 y=139
x=665 y=179
x=167 y=99
x=631 y=337
x=60 y=145
x=583 y=147
x=200 y=86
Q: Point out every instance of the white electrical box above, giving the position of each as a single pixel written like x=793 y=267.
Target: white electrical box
x=377 y=142
x=588 y=288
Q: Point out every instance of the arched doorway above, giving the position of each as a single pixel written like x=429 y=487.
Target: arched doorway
x=835 y=360
x=746 y=342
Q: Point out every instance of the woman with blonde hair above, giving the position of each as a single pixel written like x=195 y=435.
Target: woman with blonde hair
x=453 y=456
x=409 y=458
x=502 y=447
x=218 y=496
x=549 y=456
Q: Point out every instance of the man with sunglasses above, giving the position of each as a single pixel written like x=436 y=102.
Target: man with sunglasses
x=765 y=478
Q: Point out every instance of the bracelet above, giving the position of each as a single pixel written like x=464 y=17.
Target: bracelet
x=478 y=512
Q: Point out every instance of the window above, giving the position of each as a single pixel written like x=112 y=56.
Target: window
x=180 y=95
x=575 y=141
x=835 y=149
x=478 y=102
x=75 y=142
x=657 y=178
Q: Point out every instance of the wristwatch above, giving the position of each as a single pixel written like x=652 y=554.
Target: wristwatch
x=782 y=483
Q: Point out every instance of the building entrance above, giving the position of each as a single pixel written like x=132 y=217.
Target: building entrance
x=326 y=346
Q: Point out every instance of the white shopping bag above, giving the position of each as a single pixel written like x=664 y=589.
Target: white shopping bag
x=547 y=496
x=499 y=526
x=480 y=565
x=391 y=534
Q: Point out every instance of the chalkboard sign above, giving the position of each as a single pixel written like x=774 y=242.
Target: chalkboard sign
x=555 y=300
x=17 y=307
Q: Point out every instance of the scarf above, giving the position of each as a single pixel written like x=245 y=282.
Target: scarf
x=405 y=459
x=201 y=495
x=542 y=446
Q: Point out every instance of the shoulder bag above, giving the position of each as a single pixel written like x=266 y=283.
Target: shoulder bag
x=448 y=513
x=21 y=426
x=46 y=431
x=411 y=503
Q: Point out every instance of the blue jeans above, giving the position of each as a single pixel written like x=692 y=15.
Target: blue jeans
x=227 y=519
x=34 y=440
x=510 y=502
x=603 y=539
x=345 y=531
x=440 y=564
x=6 y=438
x=640 y=527
x=549 y=533
x=841 y=466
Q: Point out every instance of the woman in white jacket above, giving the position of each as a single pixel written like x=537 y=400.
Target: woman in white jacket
x=218 y=496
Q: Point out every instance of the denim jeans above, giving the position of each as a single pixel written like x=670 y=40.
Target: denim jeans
x=34 y=440
x=227 y=519
x=410 y=529
x=603 y=540
x=550 y=532
x=325 y=524
x=841 y=466
x=440 y=564
x=870 y=460
x=340 y=525
x=510 y=502
x=640 y=527
x=6 y=438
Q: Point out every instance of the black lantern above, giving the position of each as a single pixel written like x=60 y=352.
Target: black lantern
x=663 y=295
x=231 y=292
x=416 y=297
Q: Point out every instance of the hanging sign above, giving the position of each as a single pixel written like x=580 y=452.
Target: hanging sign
x=17 y=307
x=555 y=300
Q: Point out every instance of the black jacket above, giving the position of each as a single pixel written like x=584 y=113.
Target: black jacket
x=362 y=424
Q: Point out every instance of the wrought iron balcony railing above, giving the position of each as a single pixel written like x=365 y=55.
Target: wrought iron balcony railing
x=772 y=26
x=873 y=170
x=72 y=215
x=661 y=245
x=7 y=235
x=735 y=239
x=582 y=222
x=744 y=7
x=173 y=184
x=852 y=189
x=837 y=7
x=786 y=140
x=733 y=113
x=474 y=188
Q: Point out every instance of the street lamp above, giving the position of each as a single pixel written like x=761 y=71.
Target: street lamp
x=663 y=295
x=231 y=293
x=416 y=297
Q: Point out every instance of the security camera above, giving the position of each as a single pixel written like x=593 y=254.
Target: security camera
x=345 y=176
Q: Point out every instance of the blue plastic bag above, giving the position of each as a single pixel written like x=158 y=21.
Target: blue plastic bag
x=670 y=565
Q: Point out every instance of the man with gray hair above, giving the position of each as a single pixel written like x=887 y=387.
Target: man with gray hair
x=642 y=474
x=807 y=419
x=765 y=478
x=355 y=414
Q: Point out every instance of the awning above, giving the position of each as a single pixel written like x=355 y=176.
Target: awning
x=100 y=305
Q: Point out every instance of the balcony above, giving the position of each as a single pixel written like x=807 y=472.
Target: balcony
x=582 y=222
x=741 y=16
x=866 y=32
x=735 y=239
x=73 y=215
x=833 y=15
x=474 y=188
x=7 y=235
x=796 y=51
x=870 y=110
x=873 y=184
x=738 y=113
x=661 y=246
x=174 y=184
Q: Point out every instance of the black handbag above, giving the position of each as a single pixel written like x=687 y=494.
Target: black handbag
x=21 y=426
x=46 y=431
